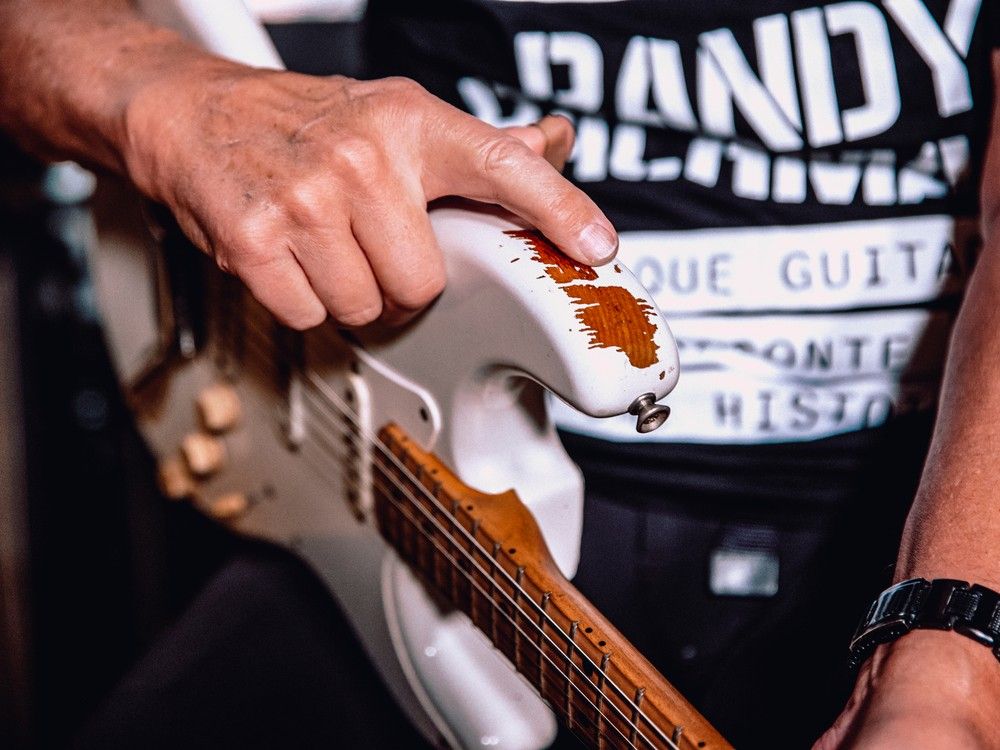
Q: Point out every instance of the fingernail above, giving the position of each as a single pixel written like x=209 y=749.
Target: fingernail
x=598 y=243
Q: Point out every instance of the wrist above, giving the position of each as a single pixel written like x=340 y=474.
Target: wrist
x=169 y=89
x=937 y=672
x=972 y=611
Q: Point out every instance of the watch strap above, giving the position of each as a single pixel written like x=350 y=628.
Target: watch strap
x=941 y=604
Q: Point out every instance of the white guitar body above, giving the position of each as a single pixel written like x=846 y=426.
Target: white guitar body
x=465 y=380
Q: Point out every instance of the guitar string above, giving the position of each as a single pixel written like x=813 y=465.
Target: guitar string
x=343 y=410
x=346 y=411
x=493 y=584
x=601 y=721
x=528 y=643
x=541 y=614
x=491 y=597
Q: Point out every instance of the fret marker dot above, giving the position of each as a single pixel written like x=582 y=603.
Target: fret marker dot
x=602 y=643
x=588 y=630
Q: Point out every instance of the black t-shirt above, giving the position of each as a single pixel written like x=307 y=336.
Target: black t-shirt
x=796 y=184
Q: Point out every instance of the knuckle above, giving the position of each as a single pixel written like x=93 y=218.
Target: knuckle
x=422 y=290
x=359 y=315
x=403 y=88
x=356 y=157
x=246 y=246
x=503 y=153
x=302 y=320
x=566 y=205
x=304 y=202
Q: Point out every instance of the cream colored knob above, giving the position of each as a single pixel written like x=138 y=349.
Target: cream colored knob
x=229 y=506
x=219 y=407
x=175 y=480
x=203 y=453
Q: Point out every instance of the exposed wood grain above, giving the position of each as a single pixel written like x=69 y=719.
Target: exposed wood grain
x=485 y=555
x=611 y=316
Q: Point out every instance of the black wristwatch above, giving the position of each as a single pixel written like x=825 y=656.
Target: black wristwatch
x=941 y=604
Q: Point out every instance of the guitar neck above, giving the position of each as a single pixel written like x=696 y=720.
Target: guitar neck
x=485 y=556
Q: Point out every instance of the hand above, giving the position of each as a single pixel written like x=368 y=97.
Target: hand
x=314 y=190
x=929 y=689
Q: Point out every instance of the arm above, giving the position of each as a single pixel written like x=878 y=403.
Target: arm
x=929 y=688
x=313 y=190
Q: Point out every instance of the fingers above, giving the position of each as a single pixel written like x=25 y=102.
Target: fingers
x=400 y=245
x=500 y=168
x=373 y=256
x=326 y=208
x=281 y=286
x=551 y=137
x=339 y=273
x=532 y=136
x=299 y=264
x=559 y=139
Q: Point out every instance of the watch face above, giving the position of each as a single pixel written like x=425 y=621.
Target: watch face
x=890 y=616
x=899 y=601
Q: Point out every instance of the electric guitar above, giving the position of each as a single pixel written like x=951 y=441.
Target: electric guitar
x=415 y=470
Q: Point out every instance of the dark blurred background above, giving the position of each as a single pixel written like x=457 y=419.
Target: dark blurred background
x=94 y=563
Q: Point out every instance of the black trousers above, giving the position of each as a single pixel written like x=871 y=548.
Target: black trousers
x=262 y=658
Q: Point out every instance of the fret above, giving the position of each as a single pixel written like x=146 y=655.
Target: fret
x=493 y=579
x=455 y=565
x=473 y=572
x=436 y=572
x=518 y=580
x=439 y=558
x=676 y=736
x=602 y=678
x=541 y=641
x=423 y=534
x=465 y=587
x=636 y=703
x=605 y=708
x=574 y=626
x=409 y=527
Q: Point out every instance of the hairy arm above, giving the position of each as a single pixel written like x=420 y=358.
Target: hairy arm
x=68 y=71
x=930 y=688
x=313 y=190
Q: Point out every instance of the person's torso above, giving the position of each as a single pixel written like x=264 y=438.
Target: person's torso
x=796 y=184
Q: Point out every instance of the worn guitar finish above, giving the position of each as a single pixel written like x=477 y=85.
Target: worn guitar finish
x=486 y=556
x=360 y=453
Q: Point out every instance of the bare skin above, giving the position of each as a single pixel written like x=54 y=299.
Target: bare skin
x=931 y=689
x=314 y=191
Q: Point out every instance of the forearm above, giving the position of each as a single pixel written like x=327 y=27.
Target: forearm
x=313 y=190
x=68 y=71
x=934 y=688
x=953 y=530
